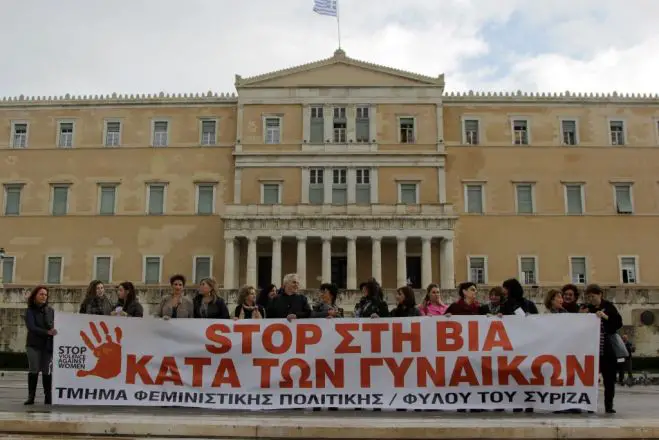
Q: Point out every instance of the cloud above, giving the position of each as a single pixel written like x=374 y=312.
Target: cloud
x=146 y=46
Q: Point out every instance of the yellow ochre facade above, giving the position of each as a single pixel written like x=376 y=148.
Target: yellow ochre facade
x=338 y=170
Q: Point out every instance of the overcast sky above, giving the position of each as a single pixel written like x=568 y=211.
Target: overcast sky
x=148 y=46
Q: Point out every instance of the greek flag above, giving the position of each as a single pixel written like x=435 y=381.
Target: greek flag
x=325 y=7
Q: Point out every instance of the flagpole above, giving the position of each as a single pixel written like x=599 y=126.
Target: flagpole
x=338 y=23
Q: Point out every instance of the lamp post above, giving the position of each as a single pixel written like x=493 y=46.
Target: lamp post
x=2 y=266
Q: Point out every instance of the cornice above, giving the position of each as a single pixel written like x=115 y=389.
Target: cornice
x=542 y=97
x=120 y=99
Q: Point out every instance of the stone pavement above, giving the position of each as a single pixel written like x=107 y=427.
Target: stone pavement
x=637 y=418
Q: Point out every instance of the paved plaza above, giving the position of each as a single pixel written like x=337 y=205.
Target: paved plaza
x=638 y=408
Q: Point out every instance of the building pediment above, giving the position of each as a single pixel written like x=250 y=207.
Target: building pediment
x=339 y=71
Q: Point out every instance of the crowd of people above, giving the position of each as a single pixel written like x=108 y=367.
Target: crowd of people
x=287 y=303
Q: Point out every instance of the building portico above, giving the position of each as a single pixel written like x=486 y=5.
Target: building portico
x=343 y=249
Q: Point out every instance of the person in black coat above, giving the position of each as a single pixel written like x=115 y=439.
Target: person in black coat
x=515 y=299
x=128 y=304
x=40 y=323
x=289 y=304
x=610 y=322
x=372 y=304
x=406 y=304
x=207 y=304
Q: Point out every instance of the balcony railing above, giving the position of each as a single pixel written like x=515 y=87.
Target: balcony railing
x=352 y=210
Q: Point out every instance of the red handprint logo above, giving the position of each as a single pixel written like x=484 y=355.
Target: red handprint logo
x=108 y=353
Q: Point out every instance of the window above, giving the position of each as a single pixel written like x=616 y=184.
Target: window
x=8 y=268
x=155 y=198
x=13 y=199
x=208 y=132
x=65 y=135
x=628 y=270
x=160 y=133
x=477 y=270
x=54 y=270
x=201 y=268
x=339 y=186
x=270 y=194
x=474 y=198
x=578 y=270
x=60 y=199
x=205 y=199
x=103 y=269
x=528 y=272
x=406 y=126
x=363 y=186
x=317 y=126
x=112 y=133
x=362 y=125
x=520 y=132
x=574 y=198
x=19 y=135
x=152 y=270
x=272 y=130
x=524 y=198
x=617 y=132
x=623 y=198
x=408 y=193
x=471 y=136
x=107 y=199
x=339 y=125
x=316 y=186
x=569 y=132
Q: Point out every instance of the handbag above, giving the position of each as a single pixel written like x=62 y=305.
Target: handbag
x=617 y=344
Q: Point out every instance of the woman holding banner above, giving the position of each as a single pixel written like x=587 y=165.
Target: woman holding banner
x=207 y=304
x=39 y=319
x=128 y=304
x=610 y=323
x=176 y=305
x=96 y=301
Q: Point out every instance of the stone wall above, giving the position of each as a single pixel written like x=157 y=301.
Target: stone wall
x=631 y=302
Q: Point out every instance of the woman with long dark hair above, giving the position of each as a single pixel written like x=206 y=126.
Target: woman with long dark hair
x=266 y=295
x=405 y=303
x=128 y=304
x=372 y=304
x=96 y=301
x=40 y=323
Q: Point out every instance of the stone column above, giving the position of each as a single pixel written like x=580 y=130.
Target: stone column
x=401 y=262
x=441 y=183
x=237 y=185
x=229 y=261
x=426 y=262
x=301 y=261
x=373 y=127
x=328 y=122
x=351 y=123
x=327 y=260
x=446 y=263
x=239 y=126
x=306 y=123
x=276 y=261
x=251 y=261
x=375 y=192
x=352 y=263
x=351 y=181
x=328 y=180
x=376 y=258
x=237 y=257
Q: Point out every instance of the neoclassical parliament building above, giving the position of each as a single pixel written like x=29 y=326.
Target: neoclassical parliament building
x=338 y=170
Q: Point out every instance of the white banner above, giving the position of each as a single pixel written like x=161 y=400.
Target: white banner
x=547 y=362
